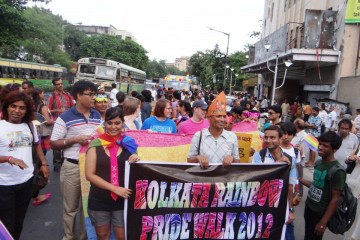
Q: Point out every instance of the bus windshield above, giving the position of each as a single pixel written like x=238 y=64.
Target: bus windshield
x=103 y=71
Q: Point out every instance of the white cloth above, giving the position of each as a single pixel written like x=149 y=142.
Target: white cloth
x=348 y=145
x=114 y=101
x=16 y=141
x=323 y=114
x=329 y=118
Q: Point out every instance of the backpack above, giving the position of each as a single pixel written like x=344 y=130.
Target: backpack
x=345 y=213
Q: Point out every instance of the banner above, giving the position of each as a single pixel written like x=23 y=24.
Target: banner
x=352 y=11
x=183 y=201
x=244 y=144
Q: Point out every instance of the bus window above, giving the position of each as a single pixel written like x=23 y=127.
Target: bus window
x=87 y=69
x=51 y=75
x=117 y=75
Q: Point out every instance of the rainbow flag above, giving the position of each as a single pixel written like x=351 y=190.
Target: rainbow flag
x=4 y=233
x=311 y=142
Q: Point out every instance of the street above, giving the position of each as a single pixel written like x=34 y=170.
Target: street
x=45 y=221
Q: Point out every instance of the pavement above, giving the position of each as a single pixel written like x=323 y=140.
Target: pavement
x=45 y=221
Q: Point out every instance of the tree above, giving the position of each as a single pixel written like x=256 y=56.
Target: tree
x=13 y=24
x=72 y=42
x=114 y=48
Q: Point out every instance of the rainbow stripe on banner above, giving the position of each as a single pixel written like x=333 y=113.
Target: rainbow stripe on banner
x=4 y=233
x=311 y=142
x=159 y=147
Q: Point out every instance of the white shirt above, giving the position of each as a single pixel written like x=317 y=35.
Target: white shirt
x=323 y=114
x=349 y=143
x=113 y=99
x=329 y=118
x=16 y=141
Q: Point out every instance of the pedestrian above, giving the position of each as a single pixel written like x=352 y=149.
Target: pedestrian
x=331 y=118
x=314 y=126
x=264 y=104
x=307 y=111
x=131 y=111
x=146 y=108
x=16 y=161
x=198 y=120
x=161 y=121
x=73 y=129
x=184 y=112
x=273 y=153
x=59 y=102
x=323 y=115
x=285 y=107
x=349 y=142
x=275 y=114
x=324 y=193
x=113 y=93
x=27 y=87
x=120 y=97
x=105 y=169
x=101 y=105
x=215 y=144
x=44 y=131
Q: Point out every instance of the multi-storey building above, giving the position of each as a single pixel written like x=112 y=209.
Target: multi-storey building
x=321 y=43
x=111 y=30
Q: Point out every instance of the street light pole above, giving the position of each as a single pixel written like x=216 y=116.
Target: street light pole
x=231 y=72
x=226 y=55
x=274 y=82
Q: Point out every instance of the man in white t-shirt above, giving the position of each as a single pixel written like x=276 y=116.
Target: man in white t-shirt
x=323 y=115
x=330 y=123
x=349 y=141
x=113 y=93
x=197 y=122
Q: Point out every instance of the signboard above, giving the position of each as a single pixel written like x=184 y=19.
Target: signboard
x=183 y=201
x=244 y=143
x=352 y=11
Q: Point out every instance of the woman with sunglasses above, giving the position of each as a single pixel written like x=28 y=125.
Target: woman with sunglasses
x=105 y=169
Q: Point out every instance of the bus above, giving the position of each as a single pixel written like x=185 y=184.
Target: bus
x=13 y=71
x=105 y=72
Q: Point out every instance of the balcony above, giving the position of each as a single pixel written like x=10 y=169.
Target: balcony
x=308 y=45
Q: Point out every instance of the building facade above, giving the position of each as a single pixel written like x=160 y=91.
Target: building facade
x=91 y=30
x=322 y=47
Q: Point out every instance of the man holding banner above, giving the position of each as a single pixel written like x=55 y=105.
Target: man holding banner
x=215 y=145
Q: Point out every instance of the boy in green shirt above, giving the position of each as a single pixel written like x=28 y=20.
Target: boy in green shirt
x=323 y=195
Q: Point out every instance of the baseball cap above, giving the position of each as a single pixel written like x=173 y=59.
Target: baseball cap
x=201 y=104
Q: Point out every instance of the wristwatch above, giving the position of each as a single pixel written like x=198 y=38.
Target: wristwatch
x=292 y=209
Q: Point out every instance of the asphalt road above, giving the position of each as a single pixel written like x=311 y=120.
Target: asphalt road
x=45 y=221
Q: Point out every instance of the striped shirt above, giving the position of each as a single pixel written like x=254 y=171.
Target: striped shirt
x=72 y=123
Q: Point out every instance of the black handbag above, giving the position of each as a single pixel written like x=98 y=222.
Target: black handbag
x=350 y=165
x=39 y=181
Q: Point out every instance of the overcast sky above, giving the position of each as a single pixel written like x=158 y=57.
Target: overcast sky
x=169 y=29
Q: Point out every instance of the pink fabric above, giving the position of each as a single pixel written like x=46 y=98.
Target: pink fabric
x=245 y=126
x=145 y=139
x=191 y=127
x=114 y=176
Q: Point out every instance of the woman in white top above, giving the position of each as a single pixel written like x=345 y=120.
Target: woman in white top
x=16 y=162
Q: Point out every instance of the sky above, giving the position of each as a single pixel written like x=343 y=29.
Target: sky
x=170 y=29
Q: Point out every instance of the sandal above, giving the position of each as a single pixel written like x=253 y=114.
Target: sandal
x=46 y=197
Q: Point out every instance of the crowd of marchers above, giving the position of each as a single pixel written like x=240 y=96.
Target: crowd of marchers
x=68 y=121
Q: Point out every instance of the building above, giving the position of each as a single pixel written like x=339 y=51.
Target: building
x=96 y=30
x=181 y=63
x=320 y=40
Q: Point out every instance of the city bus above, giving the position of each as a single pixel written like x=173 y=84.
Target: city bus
x=13 y=71
x=105 y=72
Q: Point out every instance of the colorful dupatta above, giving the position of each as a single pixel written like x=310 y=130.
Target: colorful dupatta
x=113 y=144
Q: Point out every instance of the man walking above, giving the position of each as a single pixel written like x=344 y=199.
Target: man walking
x=59 y=102
x=215 y=144
x=113 y=93
x=72 y=129
x=330 y=122
x=349 y=142
x=324 y=193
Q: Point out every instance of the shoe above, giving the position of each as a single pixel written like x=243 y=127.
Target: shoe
x=57 y=168
x=37 y=203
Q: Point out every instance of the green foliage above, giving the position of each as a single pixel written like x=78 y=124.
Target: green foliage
x=114 y=48
x=72 y=41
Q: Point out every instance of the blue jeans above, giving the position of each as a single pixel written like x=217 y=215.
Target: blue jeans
x=290 y=232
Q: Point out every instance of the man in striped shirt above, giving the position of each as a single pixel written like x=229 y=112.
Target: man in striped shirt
x=74 y=128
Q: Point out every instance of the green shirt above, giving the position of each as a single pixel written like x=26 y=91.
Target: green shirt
x=319 y=194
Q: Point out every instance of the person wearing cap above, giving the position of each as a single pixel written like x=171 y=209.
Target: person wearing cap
x=215 y=144
x=198 y=121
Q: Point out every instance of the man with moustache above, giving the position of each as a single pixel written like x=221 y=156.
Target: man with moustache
x=215 y=144
x=73 y=129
